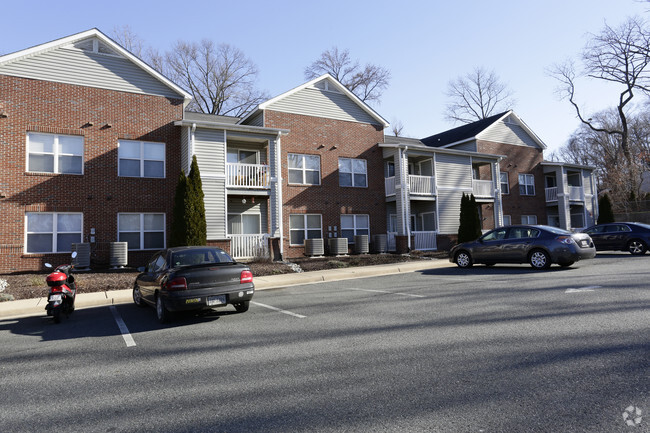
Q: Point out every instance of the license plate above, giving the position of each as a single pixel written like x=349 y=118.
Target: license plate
x=585 y=243
x=216 y=300
x=54 y=298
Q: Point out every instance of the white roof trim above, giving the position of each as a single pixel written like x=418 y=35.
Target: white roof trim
x=108 y=41
x=521 y=123
x=337 y=84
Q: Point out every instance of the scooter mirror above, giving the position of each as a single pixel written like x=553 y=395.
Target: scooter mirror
x=47 y=265
x=74 y=254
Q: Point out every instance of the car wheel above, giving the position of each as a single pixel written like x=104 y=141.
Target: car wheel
x=566 y=264
x=463 y=259
x=636 y=247
x=539 y=259
x=137 y=296
x=162 y=312
x=242 y=307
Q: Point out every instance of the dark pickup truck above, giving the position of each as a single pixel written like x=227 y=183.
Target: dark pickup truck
x=193 y=278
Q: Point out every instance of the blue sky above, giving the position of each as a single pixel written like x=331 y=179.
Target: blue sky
x=424 y=44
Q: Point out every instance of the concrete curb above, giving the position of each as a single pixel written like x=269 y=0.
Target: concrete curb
x=36 y=306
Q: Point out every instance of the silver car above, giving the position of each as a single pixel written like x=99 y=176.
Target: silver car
x=535 y=244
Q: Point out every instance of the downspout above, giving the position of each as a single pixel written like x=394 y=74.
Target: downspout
x=190 y=148
x=406 y=216
x=278 y=180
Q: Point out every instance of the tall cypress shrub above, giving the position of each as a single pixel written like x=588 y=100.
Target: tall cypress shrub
x=476 y=219
x=470 y=223
x=179 y=225
x=195 y=207
x=605 y=212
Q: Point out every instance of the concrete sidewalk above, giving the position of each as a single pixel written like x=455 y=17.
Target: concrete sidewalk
x=36 y=306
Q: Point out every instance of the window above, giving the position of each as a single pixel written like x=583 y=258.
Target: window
x=526 y=184
x=352 y=225
x=505 y=186
x=143 y=231
x=306 y=226
x=53 y=232
x=529 y=219
x=141 y=159
x=389 y=169
x=304 y=169
x=239 y=156
x=352 y=172
x=244 y=224
x=506 y=220
x=50 y=153
x=429 y=221
x=522 y=233
x=495 y=235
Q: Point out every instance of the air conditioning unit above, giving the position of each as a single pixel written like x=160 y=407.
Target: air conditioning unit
x=380 y=243
x=82 y=261
x=119 y=254
x=338 y=246
x=314 y=247
x=361 y=244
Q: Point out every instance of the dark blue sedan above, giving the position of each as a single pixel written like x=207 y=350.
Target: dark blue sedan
x=632 y=237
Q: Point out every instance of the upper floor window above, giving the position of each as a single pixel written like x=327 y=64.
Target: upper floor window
x=526 y=184
x=141 y=159
x=142 y=231
x=352 y=172
x=53 y=232
x=352 y=225
x=505 y=185
x=54 y=153
x=304 y=169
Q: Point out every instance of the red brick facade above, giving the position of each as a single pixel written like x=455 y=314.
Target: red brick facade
x=102 y=117
x=331 y=139
x=520 y=160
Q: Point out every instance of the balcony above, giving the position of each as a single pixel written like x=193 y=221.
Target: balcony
x=418 y=185
x=483 y=188
x=575 y=193
x=247 y=176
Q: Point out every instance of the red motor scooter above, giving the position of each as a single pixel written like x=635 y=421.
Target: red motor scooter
x=63 y=291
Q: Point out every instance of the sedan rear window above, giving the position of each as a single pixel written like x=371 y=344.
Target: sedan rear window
x=200 y=257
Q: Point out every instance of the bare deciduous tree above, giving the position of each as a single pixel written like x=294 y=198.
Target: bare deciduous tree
x=616 y=55
x=127 y=38
x=397 y=128
x=220 y=77
x=477 y=95
x=367 y=82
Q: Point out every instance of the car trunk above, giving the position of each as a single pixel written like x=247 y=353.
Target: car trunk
x=211 y=275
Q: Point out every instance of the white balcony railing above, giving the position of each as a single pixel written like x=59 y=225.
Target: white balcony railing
x=247 y=175
x=551 y=194
x=576 y=193
x=424 y=241
x=421 y=185
x=482 y=188
x=249 y=246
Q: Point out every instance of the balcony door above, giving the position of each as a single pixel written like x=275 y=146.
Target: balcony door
x=242 y=156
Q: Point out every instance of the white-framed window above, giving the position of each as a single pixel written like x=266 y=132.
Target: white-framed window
x=352 y=225
x=243 y=156
x=55 y=153
x=529 y=219
x=526 y=184
x=304 y=226
x=52 y=232
x=428 y=221
x=244 y=224
x=143 y=231
x=507 y=220
x=304 y=169
x=141 y=159
x=353 y=172
x=389 y=169
x=505 y=185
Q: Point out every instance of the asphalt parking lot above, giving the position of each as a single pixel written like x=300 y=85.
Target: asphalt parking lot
x=493 y=349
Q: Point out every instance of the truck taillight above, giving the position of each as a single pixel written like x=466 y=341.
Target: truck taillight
x=176 y=284
x=246 y=277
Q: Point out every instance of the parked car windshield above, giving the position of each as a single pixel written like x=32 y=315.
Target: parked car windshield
x=200 y=257
x=645 y=226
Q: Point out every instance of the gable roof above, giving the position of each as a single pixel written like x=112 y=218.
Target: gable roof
x=9 y=60
x=331 y=81
x=474 y=131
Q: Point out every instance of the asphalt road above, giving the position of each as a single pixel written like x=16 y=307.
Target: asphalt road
x=500 y=349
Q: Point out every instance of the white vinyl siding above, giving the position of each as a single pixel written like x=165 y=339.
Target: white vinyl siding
x=82 y=68
x=449 y=211
x=52 y=232
x=142 y=231
x=209 y=148
x=214 y=191
x=141 y=159
x=508 y=133
x=54 y=153
x=322 y=103
x=454 y=171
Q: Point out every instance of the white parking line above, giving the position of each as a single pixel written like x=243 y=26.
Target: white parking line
x=123 y=329
x=300 y=316
x=386 y=291
x=583 y=289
